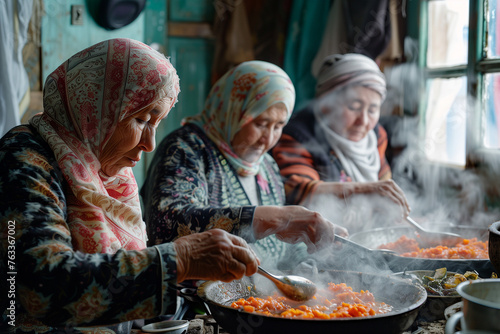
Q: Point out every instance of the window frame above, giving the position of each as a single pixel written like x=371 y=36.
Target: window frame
x=475 y=69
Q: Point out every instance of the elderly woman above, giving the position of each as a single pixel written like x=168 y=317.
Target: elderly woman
x=215 y=172
x=335 y=146
x=73 y=247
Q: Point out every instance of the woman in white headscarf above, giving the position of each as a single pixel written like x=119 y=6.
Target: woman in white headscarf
x=335 y=145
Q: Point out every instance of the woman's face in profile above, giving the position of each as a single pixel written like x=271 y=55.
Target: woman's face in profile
x=261 y=134
x=354 y=112
x=133 y=135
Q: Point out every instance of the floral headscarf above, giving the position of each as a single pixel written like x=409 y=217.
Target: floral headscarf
x=238 y=97
x=84 y=99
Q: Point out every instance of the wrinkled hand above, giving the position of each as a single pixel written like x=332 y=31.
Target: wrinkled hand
x=294 y=224
x=388 y=189
x=385 y=188
x=214 y=255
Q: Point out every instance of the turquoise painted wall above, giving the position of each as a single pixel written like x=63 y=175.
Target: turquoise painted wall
x=60 y=39
x=192 y=10
x=192 y=57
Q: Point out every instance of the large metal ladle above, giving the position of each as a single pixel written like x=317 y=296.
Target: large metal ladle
x=362 y=248
x=296 y=288
x=432 y=238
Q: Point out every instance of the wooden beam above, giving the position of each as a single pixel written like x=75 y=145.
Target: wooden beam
x=190 y=29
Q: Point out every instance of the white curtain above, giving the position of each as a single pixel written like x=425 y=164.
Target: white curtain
x=15 y=16
x=447 y=44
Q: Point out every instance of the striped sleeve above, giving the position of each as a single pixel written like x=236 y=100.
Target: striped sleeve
x=297 y=169
x=385 y=172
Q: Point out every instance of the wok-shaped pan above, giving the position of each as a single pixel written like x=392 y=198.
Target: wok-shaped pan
x=405 y=297
x=376 y=237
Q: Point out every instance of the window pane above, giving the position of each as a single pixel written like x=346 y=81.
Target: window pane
x=448 y=33
x=493 y=29
x=445 y=120
x=492 y=111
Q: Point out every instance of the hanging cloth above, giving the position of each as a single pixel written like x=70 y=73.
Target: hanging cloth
x=308 y=18
x=366 y=29
x=233 y=38
x=15 y=16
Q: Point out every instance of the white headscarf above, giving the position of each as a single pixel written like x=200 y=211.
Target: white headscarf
x=351 y=69
x=360 y=159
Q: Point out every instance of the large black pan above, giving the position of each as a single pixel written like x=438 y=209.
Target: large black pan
x=406 y=298
x=376 y=237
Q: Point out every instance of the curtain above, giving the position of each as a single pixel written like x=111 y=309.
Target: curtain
x=15 y=16
x=305 y=29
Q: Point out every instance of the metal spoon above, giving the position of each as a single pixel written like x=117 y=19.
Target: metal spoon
x=293 y=287
x=364 y=248
x=432 y=238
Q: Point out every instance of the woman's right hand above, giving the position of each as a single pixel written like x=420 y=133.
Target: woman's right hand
x=294 y=224
x=214 y=255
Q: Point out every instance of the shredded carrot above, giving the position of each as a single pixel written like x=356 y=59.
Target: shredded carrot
x=336 y=301
x=466 y=249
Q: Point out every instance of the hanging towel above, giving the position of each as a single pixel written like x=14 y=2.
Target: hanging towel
x=15 y=16
x=355 y=26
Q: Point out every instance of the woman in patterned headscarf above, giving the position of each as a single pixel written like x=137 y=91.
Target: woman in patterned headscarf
x=73 y=248
x=215 y=172
x=337 y=137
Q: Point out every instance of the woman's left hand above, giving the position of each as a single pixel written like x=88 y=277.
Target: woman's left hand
x=294 y=224
x=388 y=189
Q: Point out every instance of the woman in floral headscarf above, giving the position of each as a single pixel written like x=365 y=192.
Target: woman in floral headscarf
x=73 y=248
x=215 y=172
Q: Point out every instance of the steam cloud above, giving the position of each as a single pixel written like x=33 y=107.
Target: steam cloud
x=447 y=199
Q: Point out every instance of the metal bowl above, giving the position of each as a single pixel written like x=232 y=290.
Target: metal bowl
x=481 y=306
x=168 y=326
x=435 y=305
x=375 y=237
x=494 y=245
x=405 y=297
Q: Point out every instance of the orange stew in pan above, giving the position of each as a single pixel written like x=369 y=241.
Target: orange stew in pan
x=336 y=301
x=466 y=249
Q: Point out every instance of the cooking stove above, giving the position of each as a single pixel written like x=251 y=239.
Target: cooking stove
x=205 y=324
x=201 y=324
x=434 y=327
